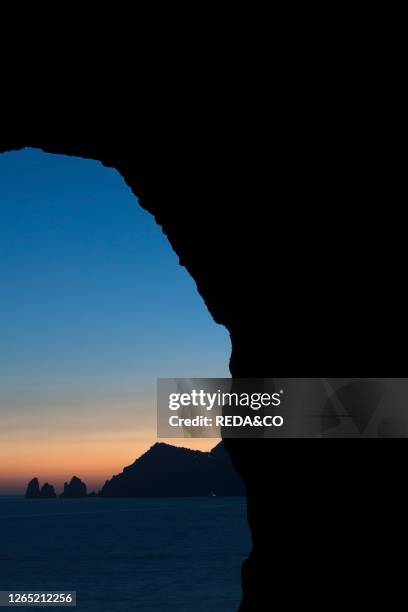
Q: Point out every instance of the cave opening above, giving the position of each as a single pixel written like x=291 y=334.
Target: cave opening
x=96 y=307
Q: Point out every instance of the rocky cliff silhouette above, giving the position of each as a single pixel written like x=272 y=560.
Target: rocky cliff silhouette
x=33 y=489
x=290 y=224
x=166 y=470
x=34 y=492
x=75 y=488
x=47 y=491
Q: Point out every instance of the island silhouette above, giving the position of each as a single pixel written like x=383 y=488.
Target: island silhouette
x=162 y=471
x=34 y=491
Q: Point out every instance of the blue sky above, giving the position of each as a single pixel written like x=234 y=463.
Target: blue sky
x=94 y=308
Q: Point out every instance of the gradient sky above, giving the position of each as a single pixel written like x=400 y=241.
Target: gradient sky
x=94 y=308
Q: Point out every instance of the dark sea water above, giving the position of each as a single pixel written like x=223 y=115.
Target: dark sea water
x=145 y=555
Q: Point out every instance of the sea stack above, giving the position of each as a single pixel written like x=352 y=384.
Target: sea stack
x=75 y=488
x=33 y=489
x=47 y=491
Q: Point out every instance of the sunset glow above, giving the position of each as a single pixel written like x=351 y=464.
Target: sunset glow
x=96 y=308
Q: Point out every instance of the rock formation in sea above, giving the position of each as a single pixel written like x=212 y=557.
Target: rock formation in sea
x=75 y=488
x=34 y=492
x=33 y=489
x=166 y=470
x=47 y=491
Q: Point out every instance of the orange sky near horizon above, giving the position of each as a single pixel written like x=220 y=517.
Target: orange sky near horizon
x=91 y=459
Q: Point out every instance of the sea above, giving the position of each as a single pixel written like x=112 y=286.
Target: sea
x=120 y=555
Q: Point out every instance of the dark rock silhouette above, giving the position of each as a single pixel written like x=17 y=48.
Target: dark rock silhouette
x=47 y=491
x=75 y=488
x=290 y=224
x=166 y=470
x=33 y=489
